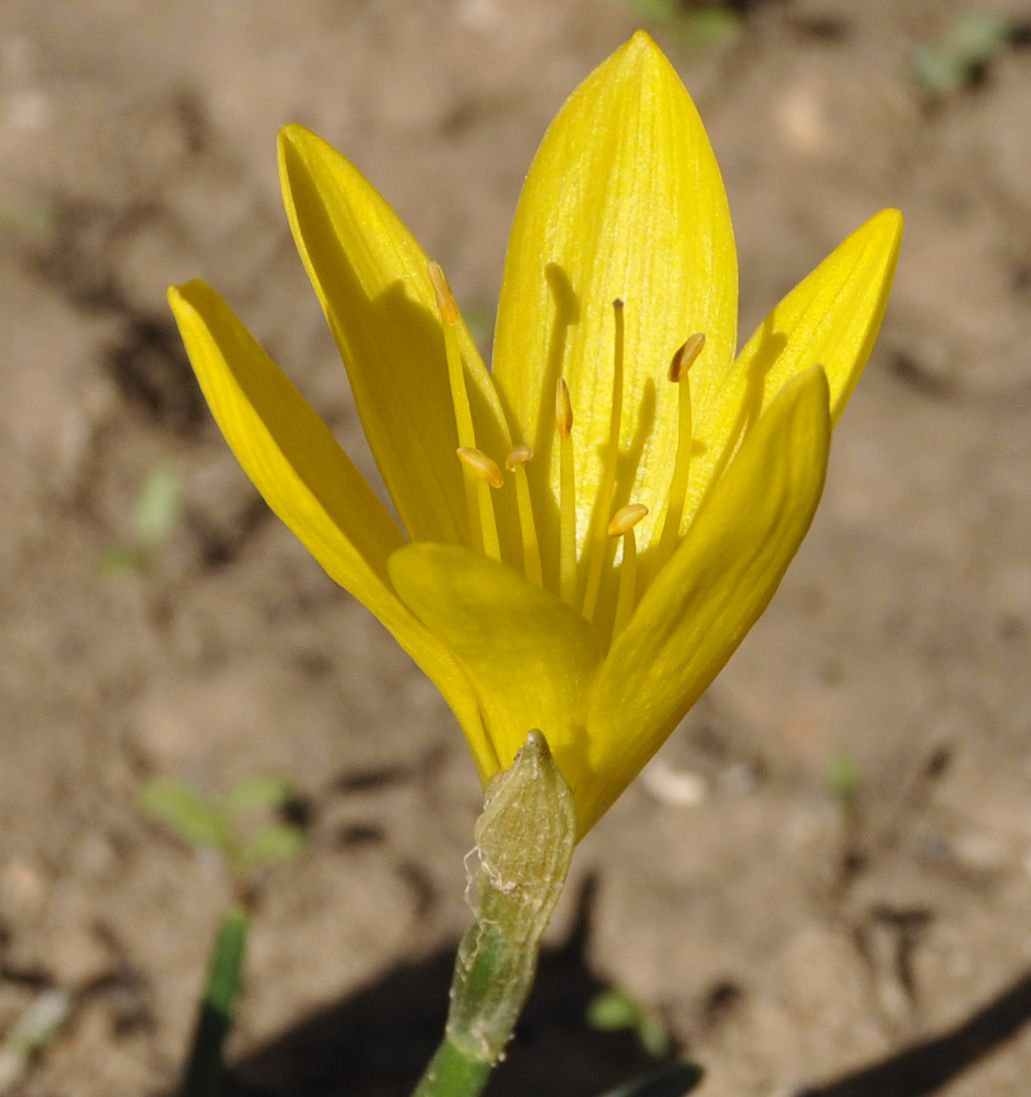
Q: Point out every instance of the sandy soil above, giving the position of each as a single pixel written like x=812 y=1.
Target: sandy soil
x=790 y=944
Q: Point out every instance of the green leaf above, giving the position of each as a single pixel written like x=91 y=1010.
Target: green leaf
x=977 y=36
x=654 y=1035
x=711 y=27
x=612 y=1011
x=973 y=40
x=274 y=845
x=261 y=792
x=936 y=71
x=186 y=814
x=671 y=1081
x=843 y=778
x=157 y=507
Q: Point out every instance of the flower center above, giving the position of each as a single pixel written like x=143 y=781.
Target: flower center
x=581 y=582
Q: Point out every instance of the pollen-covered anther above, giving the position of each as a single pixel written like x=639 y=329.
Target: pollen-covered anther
x=626 y=518
x=563 y=409
x=480 y=465
x=686 y=356
x=519 y=456
x=446 y=303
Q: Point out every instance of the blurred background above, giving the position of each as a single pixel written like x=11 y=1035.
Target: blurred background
x=826 y=873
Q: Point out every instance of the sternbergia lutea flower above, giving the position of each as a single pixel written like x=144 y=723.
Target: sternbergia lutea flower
x=584 y=534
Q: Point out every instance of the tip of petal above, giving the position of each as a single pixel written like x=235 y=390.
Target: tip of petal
x=641 y=49
x=890 y=221
x=187 y=294
x=642 y=39
x=295 y=134
x=298 y=143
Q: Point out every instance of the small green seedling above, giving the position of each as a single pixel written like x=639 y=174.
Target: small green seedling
x=843 y=780
x=243 y=828
x=237 y=825
x=974 y=39
x=156 y=513
x=615 y=1011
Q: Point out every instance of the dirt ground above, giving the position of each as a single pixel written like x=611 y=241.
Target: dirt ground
x=794 y=940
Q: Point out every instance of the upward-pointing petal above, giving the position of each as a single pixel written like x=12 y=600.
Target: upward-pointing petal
x=831 y=318
x=372 y=280
x=624 y=200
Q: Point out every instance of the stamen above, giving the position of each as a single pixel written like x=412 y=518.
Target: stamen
x=445 y=298
x=679 y=368
x=626 y=518
x=515 y=462
x=478 y=501
x=487 y=474
x=686 y=356
x=622 y=525
x=519 y=456
x=567 y=494
x=599 y=549
x=481 y=466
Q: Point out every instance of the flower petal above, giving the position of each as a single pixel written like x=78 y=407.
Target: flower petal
x=624 y=199
x=371 y=277
x=304 y=475
x=831 y=318
x=703 y=602
x=529 y=657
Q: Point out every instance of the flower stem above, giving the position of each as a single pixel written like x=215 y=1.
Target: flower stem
x=524 y=843
x=452 y=1073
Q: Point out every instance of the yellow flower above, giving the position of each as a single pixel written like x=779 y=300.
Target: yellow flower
x=585 y=534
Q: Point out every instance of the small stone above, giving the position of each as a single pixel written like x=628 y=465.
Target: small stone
x=677 y=787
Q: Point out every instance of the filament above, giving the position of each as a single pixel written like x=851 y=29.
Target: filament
x=678 y=374
x=567 y=494
x=478 y=500
x=622 y=525
x=599 y=548
x=516 y=462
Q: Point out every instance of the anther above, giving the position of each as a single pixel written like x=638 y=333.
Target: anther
x=480 y=465
x=445 y=298
x=563 y=409
x=686 y=356
x=622 y=525
x=626 y=518
x=519 y=456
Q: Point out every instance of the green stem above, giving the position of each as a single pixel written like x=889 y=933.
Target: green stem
x=524 y=841
x=203 y=1072
x=452 y=1073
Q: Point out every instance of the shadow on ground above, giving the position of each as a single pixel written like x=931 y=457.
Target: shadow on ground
x=921 y=1070
x=377 y=1042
